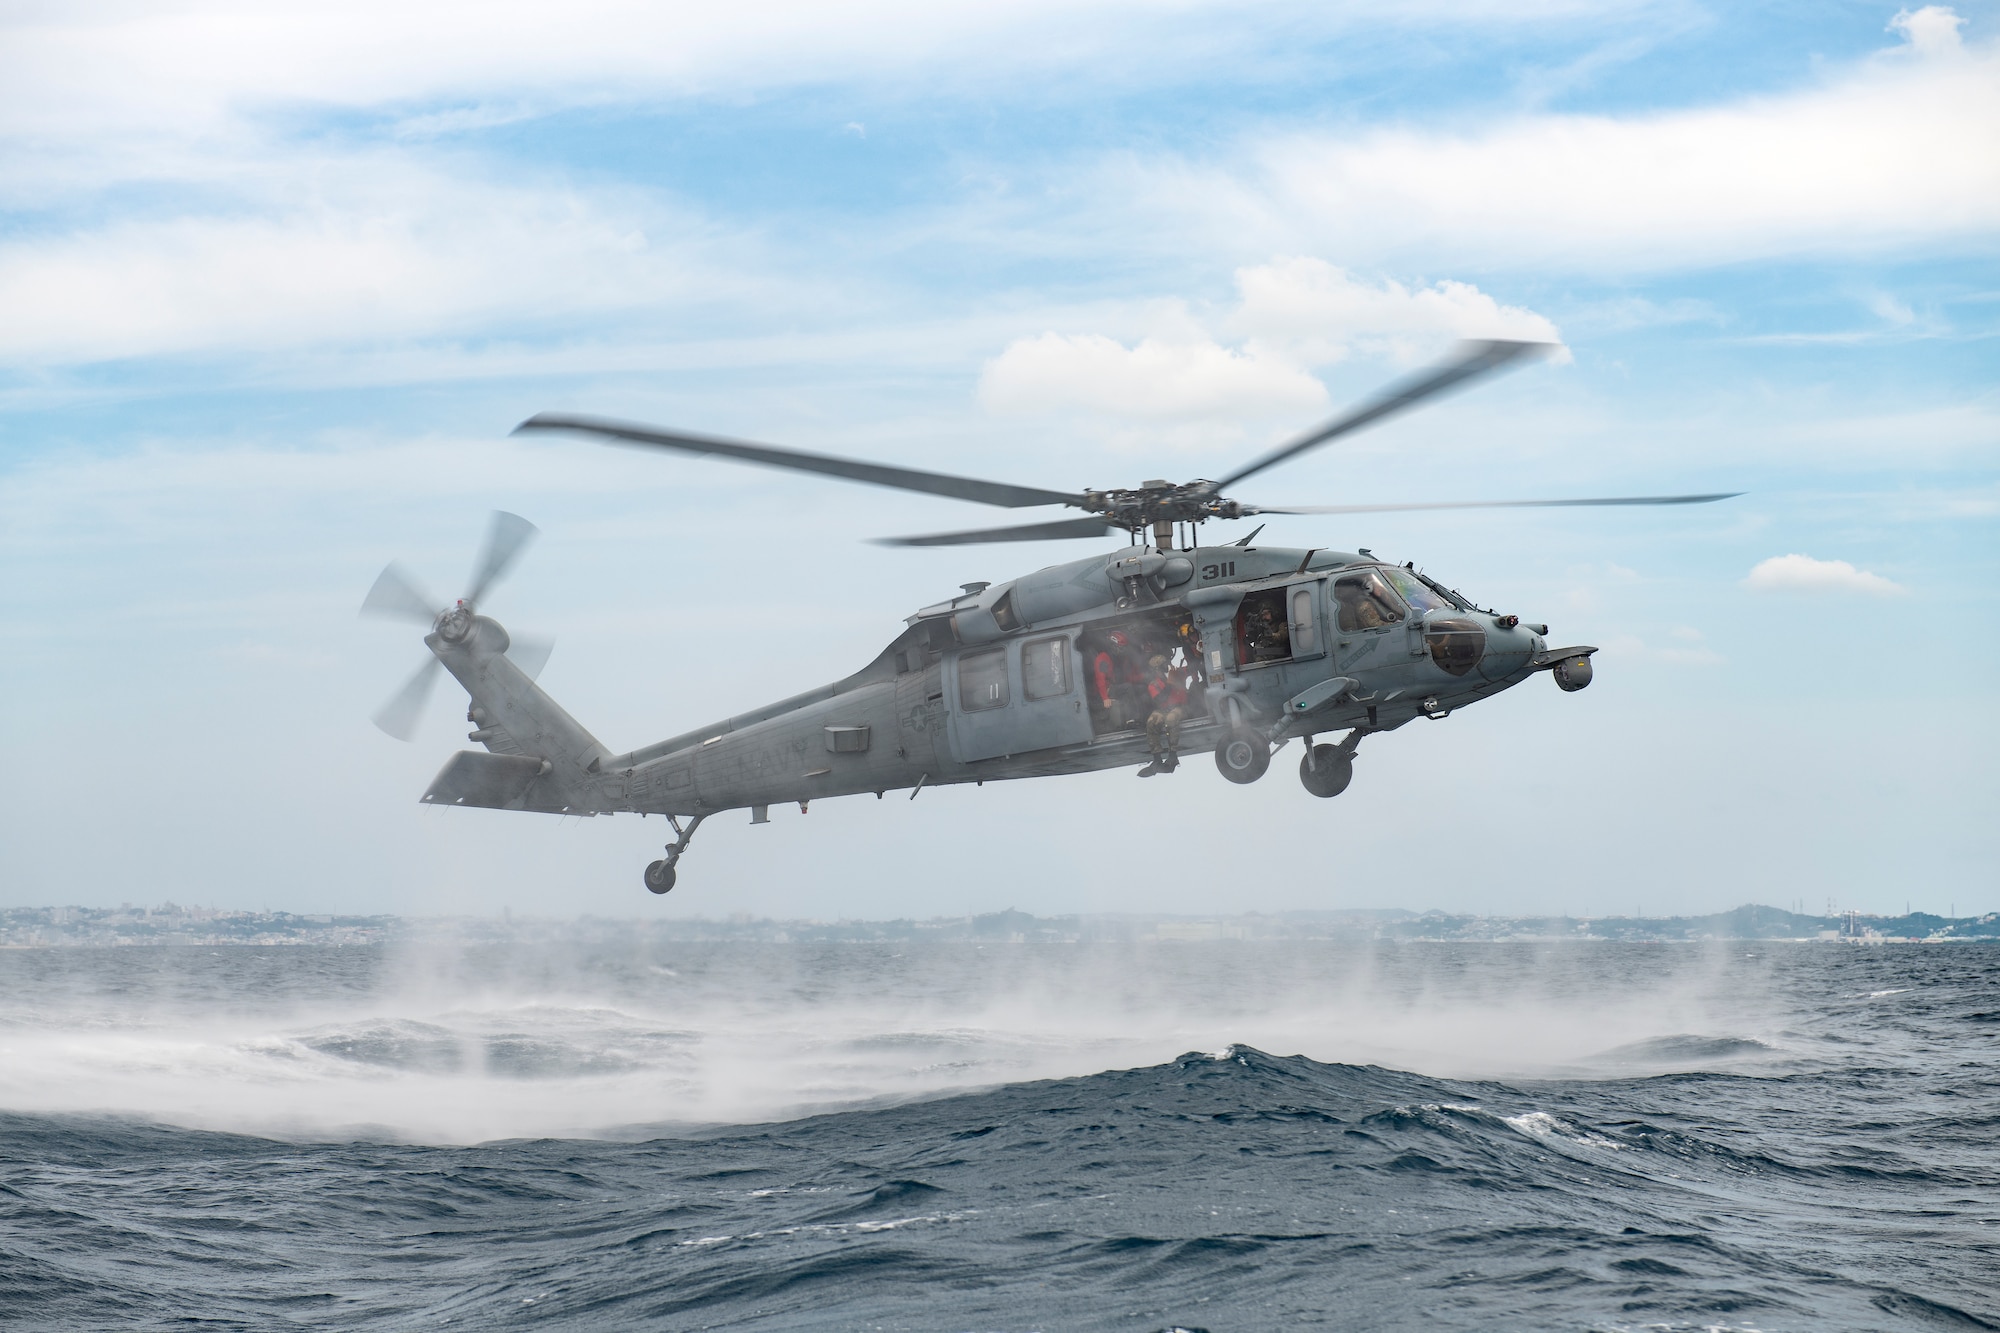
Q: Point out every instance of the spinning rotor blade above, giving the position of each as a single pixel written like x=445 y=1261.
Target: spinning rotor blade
x=397 y=597
x=530 y=654
x=1499 y=504
x=506 y=536
x=400 y=715
x=1471 y=361
x=875 y=474
x=1031 y=532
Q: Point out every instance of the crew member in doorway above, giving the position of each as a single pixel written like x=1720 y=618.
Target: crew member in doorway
x=1267 y=638
x=1112 y=674
x=1166 y=690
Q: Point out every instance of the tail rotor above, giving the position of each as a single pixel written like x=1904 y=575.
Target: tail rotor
x=397 y=596
x=400 y=715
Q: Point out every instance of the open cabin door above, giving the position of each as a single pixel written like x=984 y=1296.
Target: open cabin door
x=1016 y=697
x=1281 y=624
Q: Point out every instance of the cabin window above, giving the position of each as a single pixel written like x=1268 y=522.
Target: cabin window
x=1045 y=670
x=1456 y=645
x=1365 y=601
x=1304 y=634
x=982 y=680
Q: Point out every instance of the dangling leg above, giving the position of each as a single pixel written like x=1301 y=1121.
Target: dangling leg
x=1155 y=722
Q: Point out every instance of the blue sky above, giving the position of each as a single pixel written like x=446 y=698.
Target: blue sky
x=278 y=280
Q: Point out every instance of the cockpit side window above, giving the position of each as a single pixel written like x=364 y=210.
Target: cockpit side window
x=1365 y=601
x=1417 y=593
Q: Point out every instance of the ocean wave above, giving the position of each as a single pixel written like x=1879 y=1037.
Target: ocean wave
x=1258 y=1190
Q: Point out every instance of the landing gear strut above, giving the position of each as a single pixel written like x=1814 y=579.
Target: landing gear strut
x=660 y=874
x=1327 y=769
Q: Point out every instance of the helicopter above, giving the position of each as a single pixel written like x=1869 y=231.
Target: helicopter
x=1163 y=647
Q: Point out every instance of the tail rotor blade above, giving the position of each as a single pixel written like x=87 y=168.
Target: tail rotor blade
x=396 y=596
x=530 y=653
x=505 y=539
x=399 y=716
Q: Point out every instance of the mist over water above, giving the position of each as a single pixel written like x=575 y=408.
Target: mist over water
x=434 y=1040
x=603 y=1129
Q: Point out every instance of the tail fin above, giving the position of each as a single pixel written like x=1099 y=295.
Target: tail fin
x=540 y=758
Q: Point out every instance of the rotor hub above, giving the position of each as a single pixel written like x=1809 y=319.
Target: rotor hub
x=453 y=625
x=1153 y=503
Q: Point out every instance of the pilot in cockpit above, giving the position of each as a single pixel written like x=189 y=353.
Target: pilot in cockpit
x=1359 y=609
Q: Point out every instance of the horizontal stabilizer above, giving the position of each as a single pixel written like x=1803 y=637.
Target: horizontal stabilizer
x=492 y=782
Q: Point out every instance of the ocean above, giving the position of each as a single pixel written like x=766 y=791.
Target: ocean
x=616 y=1130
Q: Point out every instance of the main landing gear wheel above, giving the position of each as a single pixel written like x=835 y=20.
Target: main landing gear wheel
x=659 y=876
x=1325 y=771
x=1243 y=756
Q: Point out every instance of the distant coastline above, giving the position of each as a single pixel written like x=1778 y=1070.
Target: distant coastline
x=170 y=924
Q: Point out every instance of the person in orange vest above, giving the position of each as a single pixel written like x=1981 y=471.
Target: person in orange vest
x=1166 y=691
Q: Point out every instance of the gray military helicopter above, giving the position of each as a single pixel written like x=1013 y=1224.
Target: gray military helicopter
x=1132 y=656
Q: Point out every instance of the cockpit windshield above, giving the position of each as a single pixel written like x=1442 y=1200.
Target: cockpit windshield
x=1363 y=601
x=1417 y=593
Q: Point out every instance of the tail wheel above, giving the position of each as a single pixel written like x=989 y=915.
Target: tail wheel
x=1326 y=772
x=1243 y=756
x=659 y=877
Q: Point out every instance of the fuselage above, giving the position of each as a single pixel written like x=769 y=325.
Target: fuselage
x=1039 y=676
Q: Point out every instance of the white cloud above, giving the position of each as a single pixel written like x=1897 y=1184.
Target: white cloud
x=1292 y=314
x=117 y=81
x=1156 y=379
x=1802 y=573
x=1932 y=30
x=1899 y=149
x=362 y=248
x=1318 y=311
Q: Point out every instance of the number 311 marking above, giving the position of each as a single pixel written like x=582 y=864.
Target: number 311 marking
x=1221 y=571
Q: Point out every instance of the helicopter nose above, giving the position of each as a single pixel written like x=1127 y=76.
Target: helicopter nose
x=1510 y=647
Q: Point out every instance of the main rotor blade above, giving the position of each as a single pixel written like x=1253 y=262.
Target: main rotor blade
x=506 y=536
x=530 y=653
x=875 y=474
x=397 y=597
x=1030 y=532
x=405 y=708
x=1471 y=361
x=1499 y=504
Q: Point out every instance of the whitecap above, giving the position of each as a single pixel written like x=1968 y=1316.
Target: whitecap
x=1542 y=1125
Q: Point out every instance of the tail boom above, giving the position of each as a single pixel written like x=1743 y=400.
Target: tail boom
x=538 y=756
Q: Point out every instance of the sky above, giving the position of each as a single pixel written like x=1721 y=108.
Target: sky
x=278 y=279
